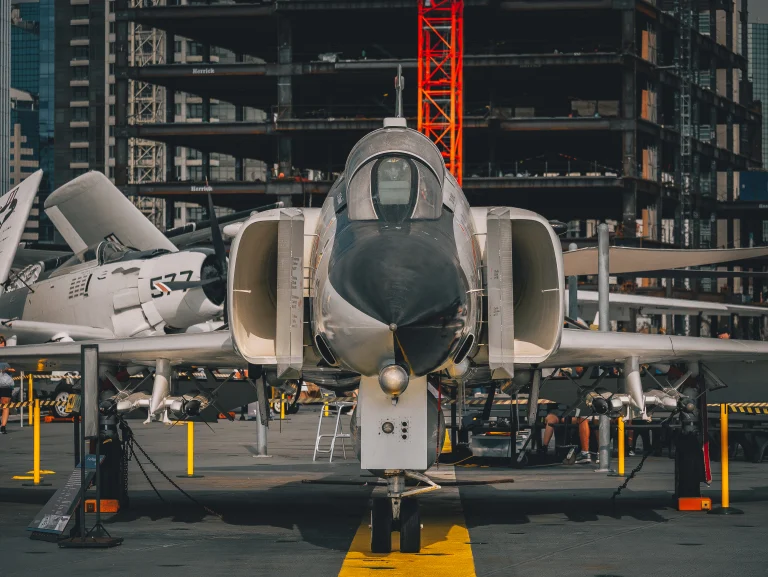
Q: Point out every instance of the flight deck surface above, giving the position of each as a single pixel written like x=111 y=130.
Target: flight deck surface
x=551 y=520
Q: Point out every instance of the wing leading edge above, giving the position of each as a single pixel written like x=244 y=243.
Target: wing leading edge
x=580 y=347
x=213 y=349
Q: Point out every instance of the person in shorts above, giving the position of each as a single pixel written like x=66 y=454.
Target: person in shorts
x=6 y=390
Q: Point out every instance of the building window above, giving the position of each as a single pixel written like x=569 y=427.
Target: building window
x=112 y=69
x=111 y=89
x=80 y=73
x=80 y=11
x=80 y=93
x=111 y=27
x=194 y=110
x=111 y=150
x=80 y=155
x=111 y=109
x=195 y=173
x=79 y=135
x=80 y=52
x=194 y=48
x=80 y=114
x=80 y=31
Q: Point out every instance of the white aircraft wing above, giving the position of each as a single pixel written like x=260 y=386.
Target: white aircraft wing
x=213 y=349
x=620 y=305
x=628 y=260
x=14 y=211
x=90 y=209
x=581 y=347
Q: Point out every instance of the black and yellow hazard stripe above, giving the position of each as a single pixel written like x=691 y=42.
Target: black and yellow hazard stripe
x=445 y=401
x=744 y=408
x=30 y=403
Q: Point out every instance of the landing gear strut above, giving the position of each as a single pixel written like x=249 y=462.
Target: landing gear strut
x=398 y=511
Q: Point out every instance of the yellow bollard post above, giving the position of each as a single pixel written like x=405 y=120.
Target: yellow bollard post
x=36 y=444
x=282 y=407
x=621 y=447
x=619 y=472
x=190 y=453
x=31 y=397
x=725 y=506
x=36 y=479
x=325 y=410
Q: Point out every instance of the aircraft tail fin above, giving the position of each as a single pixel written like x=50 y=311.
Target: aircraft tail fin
x=15 y=207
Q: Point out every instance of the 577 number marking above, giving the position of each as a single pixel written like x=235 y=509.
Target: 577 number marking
x=156 y=292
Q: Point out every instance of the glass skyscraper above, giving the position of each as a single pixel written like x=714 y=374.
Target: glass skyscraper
x=32 y=65
x=758 y=74
x=5 y=95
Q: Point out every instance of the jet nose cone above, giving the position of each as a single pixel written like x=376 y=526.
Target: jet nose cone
x=412 y=282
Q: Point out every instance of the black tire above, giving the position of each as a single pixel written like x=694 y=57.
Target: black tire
x=410 y=526
x=62 y=392
x=381 y=525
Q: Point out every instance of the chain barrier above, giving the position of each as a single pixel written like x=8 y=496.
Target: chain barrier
x=133 y=442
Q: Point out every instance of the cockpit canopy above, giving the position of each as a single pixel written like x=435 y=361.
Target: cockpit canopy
x=103 y=253
x=394 y=174
x=394 y=188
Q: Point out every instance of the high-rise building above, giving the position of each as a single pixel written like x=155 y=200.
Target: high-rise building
x=5 y=94
x=32 y=29
x=758 y=73
x=82 y=100
x=23 y=151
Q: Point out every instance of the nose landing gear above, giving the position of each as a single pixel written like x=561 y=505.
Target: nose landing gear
x=398 y=511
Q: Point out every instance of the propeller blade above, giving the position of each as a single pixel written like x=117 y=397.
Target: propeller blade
x=171 y=286
x=222 y=411
x=218 y=241
x=219 y=249
x=176 y=422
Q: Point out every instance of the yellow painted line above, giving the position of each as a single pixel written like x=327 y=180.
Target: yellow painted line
x=445 y=546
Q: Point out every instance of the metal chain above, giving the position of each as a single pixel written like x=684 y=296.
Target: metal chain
x=132 y=455
x=637 y=469
x=634 y=472
x=167 y=478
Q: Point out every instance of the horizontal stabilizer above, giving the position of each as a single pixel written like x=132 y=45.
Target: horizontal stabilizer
x=630 y=260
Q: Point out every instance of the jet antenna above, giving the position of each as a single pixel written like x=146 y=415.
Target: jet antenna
x=399 y=84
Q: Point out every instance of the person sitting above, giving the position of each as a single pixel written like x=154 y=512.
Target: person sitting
x=583 y=424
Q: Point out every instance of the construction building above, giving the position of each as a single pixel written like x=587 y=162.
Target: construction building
x=633 y=111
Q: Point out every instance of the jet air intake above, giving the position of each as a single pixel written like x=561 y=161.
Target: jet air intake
x=525 y=288
x=266 y=290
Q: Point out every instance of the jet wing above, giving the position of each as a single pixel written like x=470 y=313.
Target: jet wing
x=14 y=211
x=90 y=209
x=581 y=347
x=630 y=260
x=212 y=349
x=620 y=305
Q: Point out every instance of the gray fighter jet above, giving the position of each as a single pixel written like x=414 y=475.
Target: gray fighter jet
x=394 y=282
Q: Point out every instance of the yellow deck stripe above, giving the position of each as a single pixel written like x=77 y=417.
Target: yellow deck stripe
x=445 y=547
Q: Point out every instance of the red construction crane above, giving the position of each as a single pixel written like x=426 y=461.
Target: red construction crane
x=441 y=78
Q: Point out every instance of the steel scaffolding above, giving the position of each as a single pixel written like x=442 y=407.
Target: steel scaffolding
x=684 y=11
x=440 y=78
x=145 y=106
